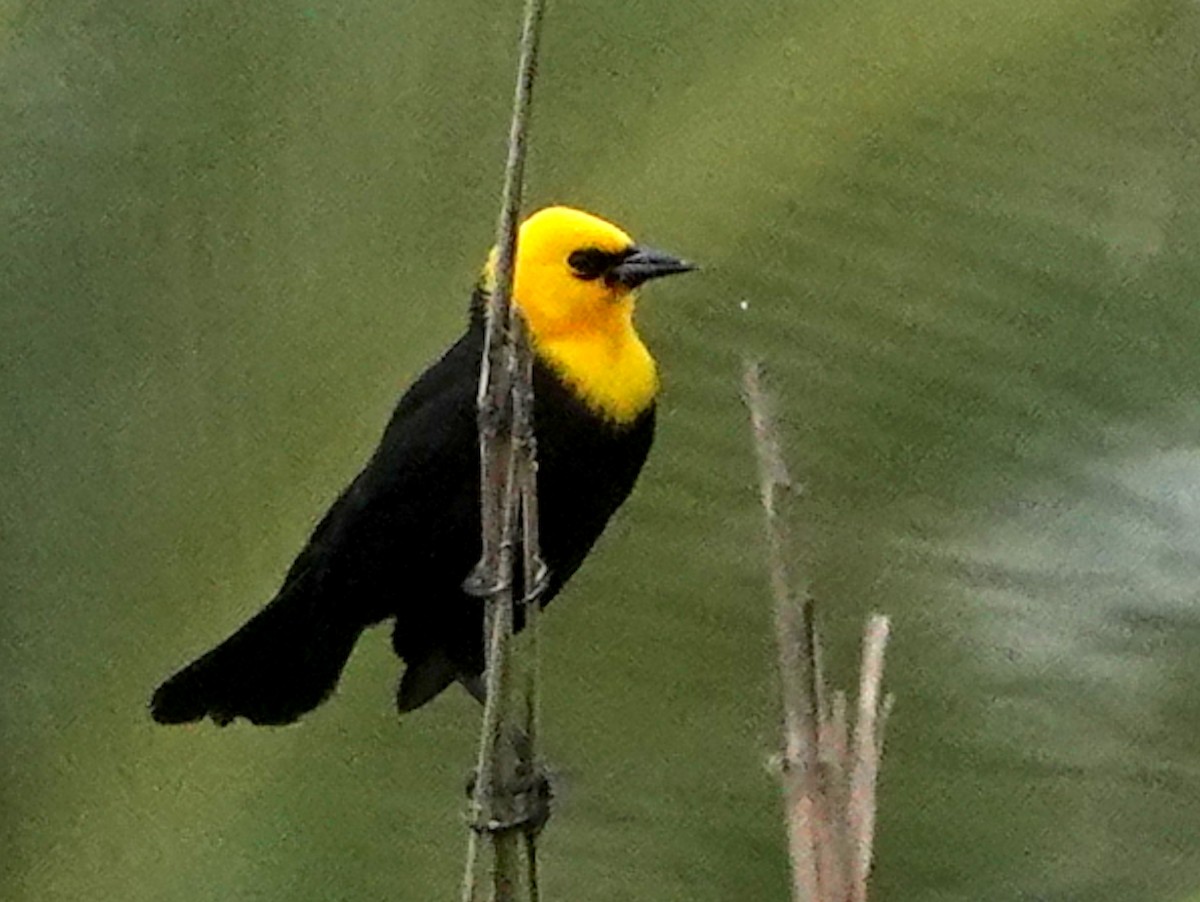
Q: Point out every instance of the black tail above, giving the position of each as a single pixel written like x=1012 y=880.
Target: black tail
x=284 y=662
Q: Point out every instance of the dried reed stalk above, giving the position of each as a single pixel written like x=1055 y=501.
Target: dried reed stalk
x=507 y=485
x=829 y=775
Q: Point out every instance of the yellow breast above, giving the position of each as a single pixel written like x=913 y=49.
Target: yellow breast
x=615 y=376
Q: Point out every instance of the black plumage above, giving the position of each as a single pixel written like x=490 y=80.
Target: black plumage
x=400 y=540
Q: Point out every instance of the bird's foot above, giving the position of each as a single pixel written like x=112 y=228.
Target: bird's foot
x=523 y=805
x=482 y=583
x=540 y=582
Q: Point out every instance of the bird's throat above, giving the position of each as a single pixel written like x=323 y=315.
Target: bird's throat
x=613 y=374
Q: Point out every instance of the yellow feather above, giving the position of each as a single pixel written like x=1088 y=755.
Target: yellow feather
x=581 y=329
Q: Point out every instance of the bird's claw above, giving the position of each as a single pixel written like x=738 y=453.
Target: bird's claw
x=481 y=583
x=526 y=806
x=540 y=582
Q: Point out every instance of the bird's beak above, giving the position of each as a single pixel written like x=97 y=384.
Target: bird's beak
x=644 y=264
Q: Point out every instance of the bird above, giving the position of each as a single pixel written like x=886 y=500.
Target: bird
x=400 y=540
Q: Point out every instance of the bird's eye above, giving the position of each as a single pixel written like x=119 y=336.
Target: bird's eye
x=592 y=263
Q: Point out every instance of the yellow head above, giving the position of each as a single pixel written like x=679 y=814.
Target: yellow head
x=574 y=281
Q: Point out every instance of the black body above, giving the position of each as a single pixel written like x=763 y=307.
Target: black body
x=399 y=542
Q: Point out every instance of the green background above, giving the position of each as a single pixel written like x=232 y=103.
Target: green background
x=967 y=240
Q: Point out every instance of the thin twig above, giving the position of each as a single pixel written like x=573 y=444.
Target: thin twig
x=796 y=648
x=533 y=572
x=794 y=628
x=500 y=460
x=860 y=813
x=533 y=569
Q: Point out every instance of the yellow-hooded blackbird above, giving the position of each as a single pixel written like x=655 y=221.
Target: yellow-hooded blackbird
x=402 y=537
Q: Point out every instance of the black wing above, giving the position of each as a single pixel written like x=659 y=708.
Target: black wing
x=406 y=527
